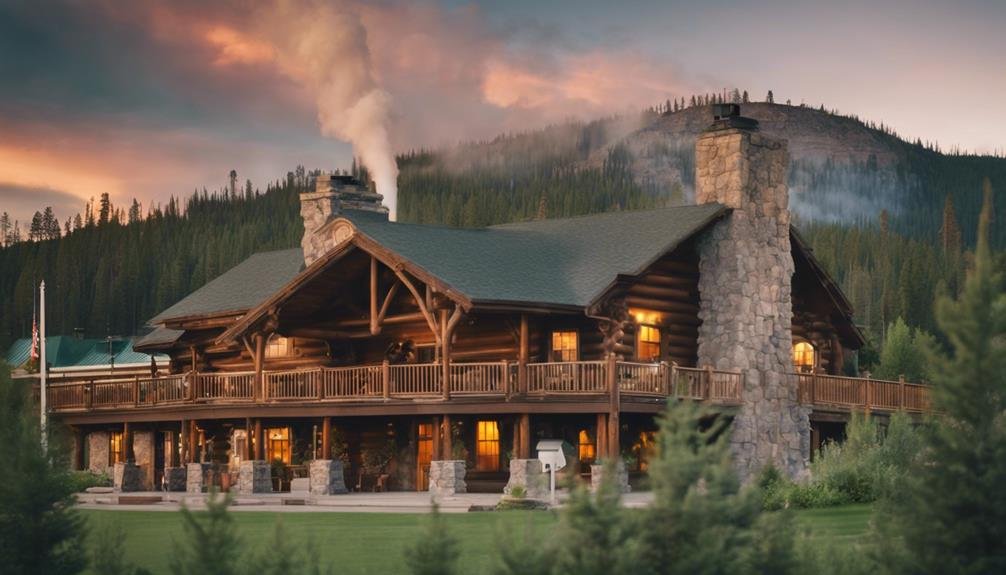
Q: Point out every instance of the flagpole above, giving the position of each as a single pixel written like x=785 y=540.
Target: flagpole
x=41 y=360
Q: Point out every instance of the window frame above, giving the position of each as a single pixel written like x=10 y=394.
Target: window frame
x=557 y=355
x=487 y=459
x=812 y=351
x=658 y=343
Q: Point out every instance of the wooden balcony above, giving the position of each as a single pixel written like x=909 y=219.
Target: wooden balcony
x=489 y=381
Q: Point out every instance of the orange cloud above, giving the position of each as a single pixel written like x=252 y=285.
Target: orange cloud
x=235 y=48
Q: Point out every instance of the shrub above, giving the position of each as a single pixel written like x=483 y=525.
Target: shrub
x=436 y=552
x=211 y=544
x=107 y=553
x=81 y=480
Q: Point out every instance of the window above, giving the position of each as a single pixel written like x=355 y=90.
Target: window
x=487 y=446
x=278 y=444
x=648 y=343
x=116 y=447
x=564 y=346
x=587 y=449
x=804 y=357
x=278 y=346
x=424 y=456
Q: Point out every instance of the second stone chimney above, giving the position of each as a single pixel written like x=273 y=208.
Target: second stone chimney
x=332 y=195
x=745 y=286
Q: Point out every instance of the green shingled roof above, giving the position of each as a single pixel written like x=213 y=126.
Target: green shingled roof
x=63 y=351
x=563 y=262
x=240 y=288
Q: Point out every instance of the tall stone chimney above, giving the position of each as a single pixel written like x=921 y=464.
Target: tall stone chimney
x=745 y=285
x=331 y=196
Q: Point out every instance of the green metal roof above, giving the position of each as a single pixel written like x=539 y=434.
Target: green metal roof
x=240 y=288
x=563 y=262
x=64 y=351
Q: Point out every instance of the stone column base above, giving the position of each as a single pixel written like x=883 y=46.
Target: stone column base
x=447 y=478
x=127 y=477
x=326 y=477
x=254 y=477
x=621 y=476
x=174 y=478
x=195 y=474
x=528 y=475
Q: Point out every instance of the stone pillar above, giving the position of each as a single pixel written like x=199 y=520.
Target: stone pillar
x=97 y=447
x=126 y=477
x=745 y=283
x=194 y=477
x=447 y=478
x=327 y=477
x=528 y=475
x=175 y=479
x=143 y=452
x=597 y=476
x=254 y=477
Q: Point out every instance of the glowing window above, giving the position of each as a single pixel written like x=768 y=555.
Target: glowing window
x=648 y=343
x=116 y=447
x=564 y=346
x=278 y=444
x=487 y=446
x=278 y=346
x=587 y=447
x=804 y=356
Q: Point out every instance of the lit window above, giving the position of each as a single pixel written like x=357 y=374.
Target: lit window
x=648 y=343
x=278 y=444
x=278 y=346
x=804 y=357
x=116 y=447
x=424 y=455
x=487 y=446
x=587 y=447
x=564 y=346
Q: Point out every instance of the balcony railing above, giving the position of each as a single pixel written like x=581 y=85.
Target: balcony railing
x=499 y=381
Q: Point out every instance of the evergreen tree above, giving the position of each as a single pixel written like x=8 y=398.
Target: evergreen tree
x=105 y=210
x=744 y=98
x=5 y=228
x=210 y=545
x=135 y=212
x=954 y=517
x=40 y=531
x=436 y=552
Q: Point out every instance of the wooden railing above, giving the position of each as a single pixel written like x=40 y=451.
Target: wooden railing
x=846 y=393
x=591 y=380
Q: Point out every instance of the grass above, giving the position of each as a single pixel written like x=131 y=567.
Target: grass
x=375 y=542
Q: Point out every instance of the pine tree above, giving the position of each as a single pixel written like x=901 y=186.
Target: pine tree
x=135 y=212
x=210 y=545
x=953 y=517
x=744 y=98
x=436 y=552
x=105 y=210
x=5 y=228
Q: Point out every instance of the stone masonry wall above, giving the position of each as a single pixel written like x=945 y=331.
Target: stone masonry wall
x=97 y=449
x=745 y=284
x=330 y=197
x=143 y=451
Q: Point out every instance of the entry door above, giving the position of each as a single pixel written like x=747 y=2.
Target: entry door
x=424 y=456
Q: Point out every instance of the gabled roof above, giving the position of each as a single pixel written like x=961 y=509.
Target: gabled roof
x=65 y=352
x=240 y=288
x=160 y=338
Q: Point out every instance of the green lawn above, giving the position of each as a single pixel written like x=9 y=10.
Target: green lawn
x=374 y=542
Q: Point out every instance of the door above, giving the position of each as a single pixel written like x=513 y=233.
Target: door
x=424 y=456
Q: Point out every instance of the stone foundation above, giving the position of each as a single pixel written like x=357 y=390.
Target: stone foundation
x=174 y=479
x=327 y=477
x=254 y=477
x=447 y=478
x=195 y=477
x=127 y=477
x=597 y=475
x=745 y=283
x=527 y=474
x=97 y=448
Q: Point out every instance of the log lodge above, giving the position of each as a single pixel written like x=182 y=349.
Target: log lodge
x=386 y=355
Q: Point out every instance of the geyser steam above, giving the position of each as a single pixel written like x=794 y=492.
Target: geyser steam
x=323 y=45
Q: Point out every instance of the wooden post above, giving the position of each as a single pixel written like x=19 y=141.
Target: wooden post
x=127 y=440
x=385 y=379
x=601 y=435
x=505 y=378
x=78 y=449
x=374 y=325
x=173 y=459
x=136 y=390
x=901 y=391
x=193 y=442
x=326 y=438
x=259 y=361
x=249 y=430
x=183 y=439
x=438 y=434
x=613 y=407
x=672 y=382
x=522 y=356
x=89 y=395
x=448 y=439
x=445 y=355
x=705 y=393
x=524 y=449
x=869 y=396
x=259 y=452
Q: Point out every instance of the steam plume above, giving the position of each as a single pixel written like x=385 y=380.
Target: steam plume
x=324 y=47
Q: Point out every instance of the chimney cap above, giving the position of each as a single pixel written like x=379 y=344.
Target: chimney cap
x=727 y=116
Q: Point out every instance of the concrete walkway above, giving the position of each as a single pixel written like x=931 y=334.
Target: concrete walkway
x=393 y=502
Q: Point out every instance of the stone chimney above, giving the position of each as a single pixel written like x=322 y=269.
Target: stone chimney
x=332 y=195
x=745 y=285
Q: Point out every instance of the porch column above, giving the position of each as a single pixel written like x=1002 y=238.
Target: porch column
x=326 y=438
x=523 y=355
x=172 y=454
x=437 y=440
x=259 y=361
x=445 y=355
x=249 y=430
x=448 y=448
x=259 y=452
x=524 y=427
x=183 y=438
x=193 y=442
x=601 y=434
x=613 y=408
x=127 y=441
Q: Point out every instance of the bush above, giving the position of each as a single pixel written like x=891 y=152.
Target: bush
x=781 y=493
x=81 y=480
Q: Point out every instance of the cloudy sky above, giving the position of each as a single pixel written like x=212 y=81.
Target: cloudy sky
x=147 y=99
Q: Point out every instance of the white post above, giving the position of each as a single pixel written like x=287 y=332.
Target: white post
x=551 y=482
x=41 y=360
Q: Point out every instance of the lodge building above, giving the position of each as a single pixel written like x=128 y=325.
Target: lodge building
x=386 y=355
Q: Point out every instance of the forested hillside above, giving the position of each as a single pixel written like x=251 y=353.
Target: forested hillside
x=905 y=214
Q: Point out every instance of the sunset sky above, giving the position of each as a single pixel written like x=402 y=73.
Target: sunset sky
x=147 y=99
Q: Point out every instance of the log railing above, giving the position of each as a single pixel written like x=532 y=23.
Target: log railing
x=587 y=379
